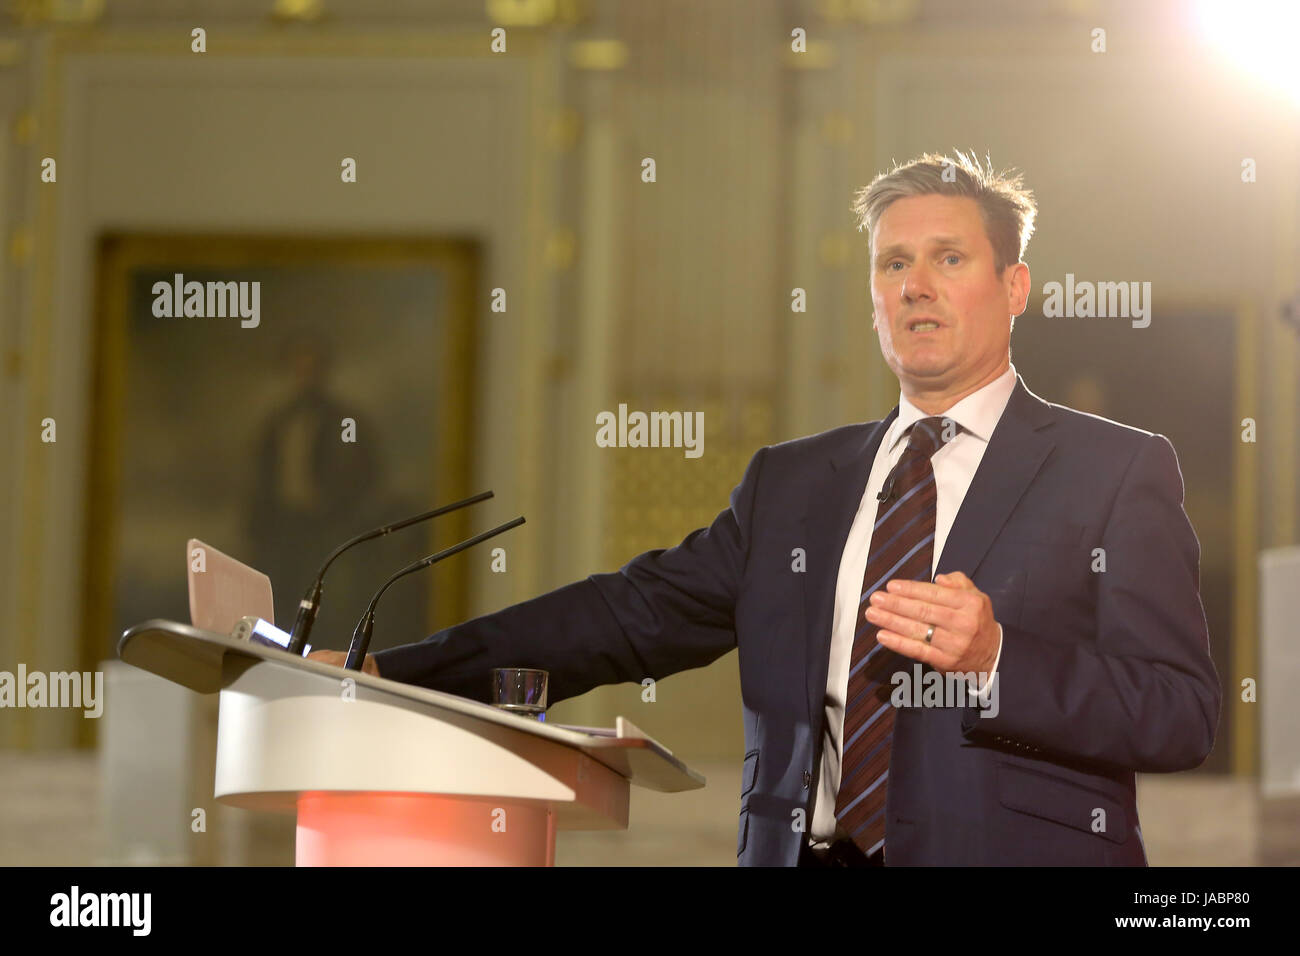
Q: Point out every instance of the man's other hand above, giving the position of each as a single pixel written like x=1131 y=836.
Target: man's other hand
x=966 y=637
x=339 y=658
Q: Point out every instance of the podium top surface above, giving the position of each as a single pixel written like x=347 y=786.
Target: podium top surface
x=195 y=658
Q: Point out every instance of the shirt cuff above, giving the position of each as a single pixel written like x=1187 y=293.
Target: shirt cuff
x=983 y=692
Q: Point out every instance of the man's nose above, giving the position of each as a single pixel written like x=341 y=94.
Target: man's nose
x=917 y=285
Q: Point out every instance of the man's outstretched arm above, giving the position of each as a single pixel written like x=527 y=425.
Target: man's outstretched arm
x=664 y=611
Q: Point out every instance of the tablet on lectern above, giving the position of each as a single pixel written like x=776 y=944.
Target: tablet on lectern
x=223 y=590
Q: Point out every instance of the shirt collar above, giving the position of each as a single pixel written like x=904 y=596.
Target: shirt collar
x=978 y=413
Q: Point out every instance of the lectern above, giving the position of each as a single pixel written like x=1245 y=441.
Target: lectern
x=384 y=773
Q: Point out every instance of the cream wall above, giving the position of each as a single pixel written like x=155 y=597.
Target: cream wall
x=446 y=143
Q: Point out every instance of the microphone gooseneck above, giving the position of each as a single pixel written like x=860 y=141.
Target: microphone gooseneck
x=309 y=606
x=365 y=627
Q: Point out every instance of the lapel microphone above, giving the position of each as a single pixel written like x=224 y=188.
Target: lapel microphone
x=887 y=490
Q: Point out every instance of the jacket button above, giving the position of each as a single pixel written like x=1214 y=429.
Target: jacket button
x=807 y=778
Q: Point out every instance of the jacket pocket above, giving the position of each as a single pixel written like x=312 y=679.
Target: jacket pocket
x=1042 y=795
x=743 y=835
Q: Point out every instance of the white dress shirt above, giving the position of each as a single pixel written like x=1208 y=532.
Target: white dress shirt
x=954 y=466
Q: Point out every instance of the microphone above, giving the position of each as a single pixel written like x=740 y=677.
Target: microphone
x=361 y=635
x=887 y=490
x=309 y=606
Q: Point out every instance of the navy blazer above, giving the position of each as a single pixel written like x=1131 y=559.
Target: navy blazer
x=1103 y=673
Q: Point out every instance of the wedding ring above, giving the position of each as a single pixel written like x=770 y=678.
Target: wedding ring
x=929 y=635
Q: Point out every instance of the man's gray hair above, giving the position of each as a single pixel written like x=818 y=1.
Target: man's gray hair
x=1006 y=206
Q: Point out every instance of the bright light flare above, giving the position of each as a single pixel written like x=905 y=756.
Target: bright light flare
x=1258 y=36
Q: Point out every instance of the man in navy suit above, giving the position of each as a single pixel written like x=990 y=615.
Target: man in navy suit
x=1064 y=600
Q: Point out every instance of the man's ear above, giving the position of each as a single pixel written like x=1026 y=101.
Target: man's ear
x=1020 y=288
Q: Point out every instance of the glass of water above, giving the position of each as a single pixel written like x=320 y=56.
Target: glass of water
x=520 y=690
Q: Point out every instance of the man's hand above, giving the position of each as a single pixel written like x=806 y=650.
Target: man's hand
x=339 y=658
x=965 y=633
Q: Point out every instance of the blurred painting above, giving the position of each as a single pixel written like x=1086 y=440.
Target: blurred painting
x=341 y=404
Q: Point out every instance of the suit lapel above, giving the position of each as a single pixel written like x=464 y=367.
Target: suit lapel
x=1016 y=451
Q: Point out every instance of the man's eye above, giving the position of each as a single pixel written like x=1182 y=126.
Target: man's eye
x=890 y=266
x=952 y=255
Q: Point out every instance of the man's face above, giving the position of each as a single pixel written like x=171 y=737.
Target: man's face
x=931 y=259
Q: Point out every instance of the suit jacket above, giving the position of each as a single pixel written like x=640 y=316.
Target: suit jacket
x=1102 y=673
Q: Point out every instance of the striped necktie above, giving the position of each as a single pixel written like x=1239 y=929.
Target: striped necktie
x=902 y=546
